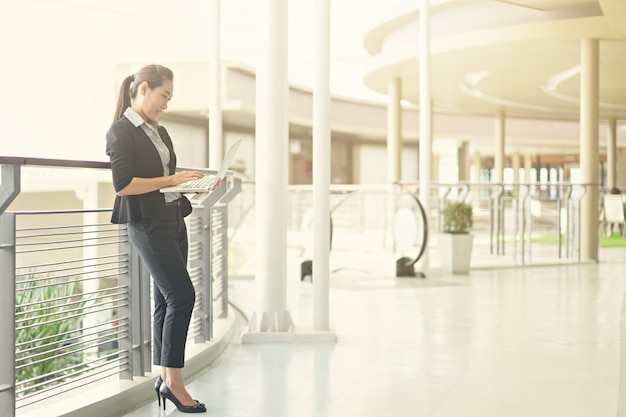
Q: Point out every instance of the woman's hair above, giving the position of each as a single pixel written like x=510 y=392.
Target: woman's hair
x=154 y=75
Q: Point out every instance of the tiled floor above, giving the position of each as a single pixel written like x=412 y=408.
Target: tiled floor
x=530 y=342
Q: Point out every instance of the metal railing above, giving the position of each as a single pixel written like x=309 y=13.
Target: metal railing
x=76 y=299
x=512 y=220
x=525 y=224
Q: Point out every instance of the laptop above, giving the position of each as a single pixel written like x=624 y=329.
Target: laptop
x=206 y=183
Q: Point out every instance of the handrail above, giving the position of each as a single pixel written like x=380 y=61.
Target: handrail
x=70 y=163
x=66 y=163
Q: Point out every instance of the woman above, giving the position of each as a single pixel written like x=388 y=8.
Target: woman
x=142 y=162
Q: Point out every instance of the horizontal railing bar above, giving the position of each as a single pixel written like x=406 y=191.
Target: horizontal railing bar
x=106 y=225
x=61 y=319
x=69 y=261
x=92 y=310
x=20 y=402
x=123 y=325
x=66 y=163
x=110 y=322
x=74 y=211
x=70 y=247
x=22 y=238
x=107 y=365
x=68 y=226
x=122 y=269
x=19 y=352
x=55 y=242
x=73 y=268
x=108 y=337
x=72 y=296
x=73 y=277
x=105 y=338
x=67 y=353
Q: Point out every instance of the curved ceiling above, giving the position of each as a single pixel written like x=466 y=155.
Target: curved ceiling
x=523 y=60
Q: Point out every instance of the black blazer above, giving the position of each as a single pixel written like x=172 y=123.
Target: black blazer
x=133 y=154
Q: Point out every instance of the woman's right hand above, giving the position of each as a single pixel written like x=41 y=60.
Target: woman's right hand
x=184 y=176
x=146 y=185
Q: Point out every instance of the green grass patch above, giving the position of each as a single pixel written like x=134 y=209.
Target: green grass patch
x=605 y=241
x=615 y=240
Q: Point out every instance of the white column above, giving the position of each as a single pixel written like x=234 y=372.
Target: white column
x=499 y=146
x=425 y=105
x=611 y=155
x=271 y=176
x=528 y=166
x=589 y=108
x=463 y=161
x=271 y=322
x=215 y=92
x=516 y=164
x=356 y=163
x=476 y=162
x=477 y=166
x=394 y=130
x=620 y=180
x=321 y=167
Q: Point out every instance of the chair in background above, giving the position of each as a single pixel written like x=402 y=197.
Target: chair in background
x=613 y=213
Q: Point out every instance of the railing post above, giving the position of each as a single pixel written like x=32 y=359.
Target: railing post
x=526 y=221
x=211 y=211
x=199 y=265
x=11 y=183
x=138 y=341
x=143 y=351
x=7 y=315
x=201 y=236
x=219 y=258
x=9 y=189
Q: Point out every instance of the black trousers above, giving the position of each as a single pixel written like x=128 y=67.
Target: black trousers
x=163 y=247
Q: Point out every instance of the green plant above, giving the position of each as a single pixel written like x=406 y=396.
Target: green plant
x=458 y=217
x=49 y=319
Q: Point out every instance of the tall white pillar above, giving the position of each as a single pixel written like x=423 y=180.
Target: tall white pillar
x=216 y=150
x=463 y=161
x=477 y=166
x=528 y=166
x=611 y=155
x=425 y=105
x=499 y=146
x=589 y=108
x=394 y=130
x=620 y=180
x=272 y=132
x=272 y=322
x=321 y=167
x=356 y=163
x=516 y=164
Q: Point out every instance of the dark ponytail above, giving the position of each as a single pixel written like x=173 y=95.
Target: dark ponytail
x=154 y=75
x=123 y=99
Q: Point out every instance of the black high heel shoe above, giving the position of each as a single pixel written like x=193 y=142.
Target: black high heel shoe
x=157 y=387
x=165 y=392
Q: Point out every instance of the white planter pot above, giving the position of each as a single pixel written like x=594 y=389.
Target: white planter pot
x=455 y=250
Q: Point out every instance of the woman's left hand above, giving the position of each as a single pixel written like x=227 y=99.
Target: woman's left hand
x=217 y=184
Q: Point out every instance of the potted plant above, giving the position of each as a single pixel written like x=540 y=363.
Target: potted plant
x=455 y=243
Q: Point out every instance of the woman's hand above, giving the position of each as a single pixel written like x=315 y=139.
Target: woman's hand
x=184 y=176
x=217 y=184
x=147 y=185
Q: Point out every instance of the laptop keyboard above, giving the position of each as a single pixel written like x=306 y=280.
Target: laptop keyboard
x=204 y=182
